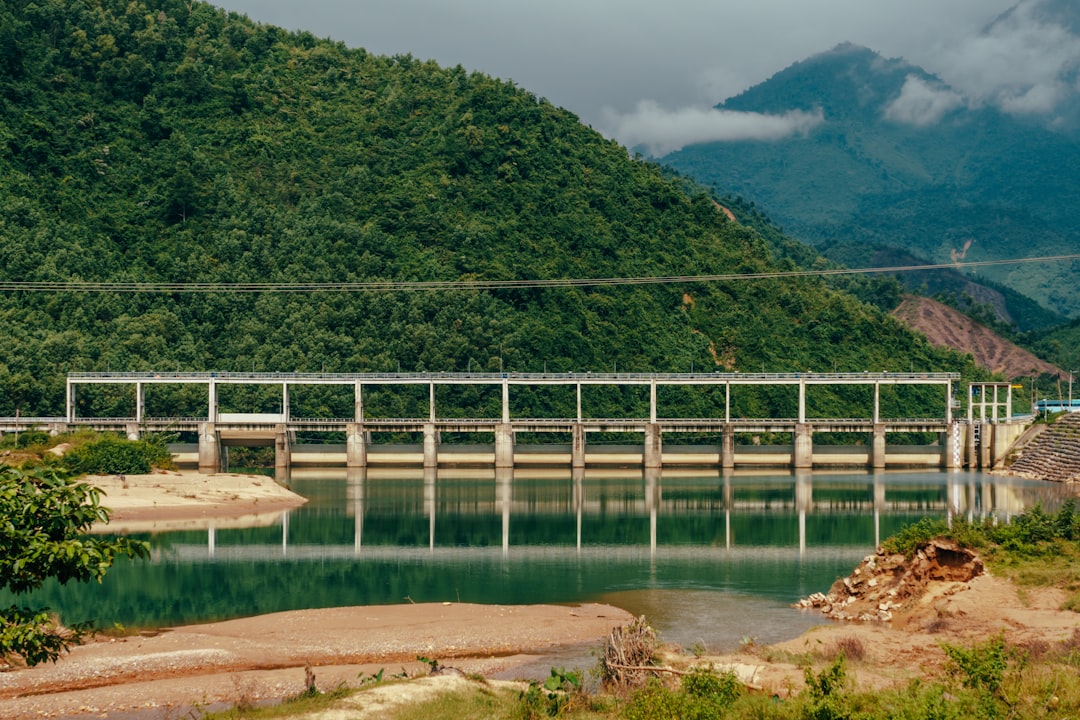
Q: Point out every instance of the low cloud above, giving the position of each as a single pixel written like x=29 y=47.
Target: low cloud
x=921 y=103
x=662 y=131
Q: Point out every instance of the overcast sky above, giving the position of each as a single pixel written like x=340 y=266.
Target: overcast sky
x=649 y=72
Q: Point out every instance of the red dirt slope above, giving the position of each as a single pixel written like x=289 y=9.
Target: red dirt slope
x=946 y=327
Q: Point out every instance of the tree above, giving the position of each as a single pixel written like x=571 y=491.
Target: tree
x=44 y=517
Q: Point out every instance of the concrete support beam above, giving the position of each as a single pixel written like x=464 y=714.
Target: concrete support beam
x=211 y=402
x=505 y=400
x=140 y=403
x=70 y=401
x=945 y=439
x=209 y=450
x=652 y=400
x=504 y=445
x=577 y=451
x=802 y=401
x=282 y=451
x=877 y=452
x=804 y=446
x=358 y=402
x=355 y=446
x=431 y=446
x=971 y=458
x=986 y=441
x=727 y=449
x=132 y=431
x=653 y=447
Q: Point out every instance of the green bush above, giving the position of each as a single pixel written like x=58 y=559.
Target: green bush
x=112 y=455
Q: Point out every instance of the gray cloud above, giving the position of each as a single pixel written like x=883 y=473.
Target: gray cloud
x=662 y=131
x=1021 y=62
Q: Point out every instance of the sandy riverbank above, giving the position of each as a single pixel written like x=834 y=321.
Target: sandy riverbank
x=189 y=500
x=264 y=657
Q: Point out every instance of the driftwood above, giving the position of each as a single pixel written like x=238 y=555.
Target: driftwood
x=629 y=654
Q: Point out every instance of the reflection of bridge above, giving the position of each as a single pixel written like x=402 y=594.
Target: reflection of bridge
x=217 y=428
x=976 y=497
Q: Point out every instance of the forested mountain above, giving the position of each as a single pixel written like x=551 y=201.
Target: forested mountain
x=901 y=161
x=170 y=141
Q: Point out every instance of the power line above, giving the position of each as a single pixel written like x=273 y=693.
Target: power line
x=400 y=286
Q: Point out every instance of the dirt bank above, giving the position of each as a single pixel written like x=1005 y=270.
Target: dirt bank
x=187 y=500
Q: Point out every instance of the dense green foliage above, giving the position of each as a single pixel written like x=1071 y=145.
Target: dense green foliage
x=975 y=181
x=110 y=455
x=43 y=519
x=165 y=140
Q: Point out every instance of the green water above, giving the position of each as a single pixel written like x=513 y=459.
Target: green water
x=709 y=558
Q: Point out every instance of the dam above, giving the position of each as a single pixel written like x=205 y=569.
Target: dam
x=509 y=437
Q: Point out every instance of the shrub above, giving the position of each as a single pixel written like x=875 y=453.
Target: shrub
x=111 y=455
x=911 y=536
x=982 y=666
x=719 y=690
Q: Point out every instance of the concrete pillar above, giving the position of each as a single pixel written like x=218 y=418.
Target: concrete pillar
x=877 y=452
x=653 y=446
x=577 y=450
x=950 y=451
x=209 y=452
x=282 y=451
x=358 y=402
x=877 y=402
x=505 y=400
x=70 y=401
x=355 y=446
x=652 y=400
x=802 y=401
x=804 y=446
x=57 y=429
x=727 y=449
x=727 y=401
x=504 y=445
x=132 y=431
x=431 y=446
x=211 y=402
x=948 y=402
x=286 y=411
x=140 y=403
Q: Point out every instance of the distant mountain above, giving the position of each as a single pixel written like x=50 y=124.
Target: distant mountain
x=902 y=160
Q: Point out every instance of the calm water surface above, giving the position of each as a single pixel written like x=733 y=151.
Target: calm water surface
x=708 y=559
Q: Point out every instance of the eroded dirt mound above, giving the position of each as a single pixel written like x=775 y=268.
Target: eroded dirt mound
x=946 y=327
x=883 y=583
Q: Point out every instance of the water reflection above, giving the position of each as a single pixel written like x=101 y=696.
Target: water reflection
x=692 y=539
x=447 y=500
